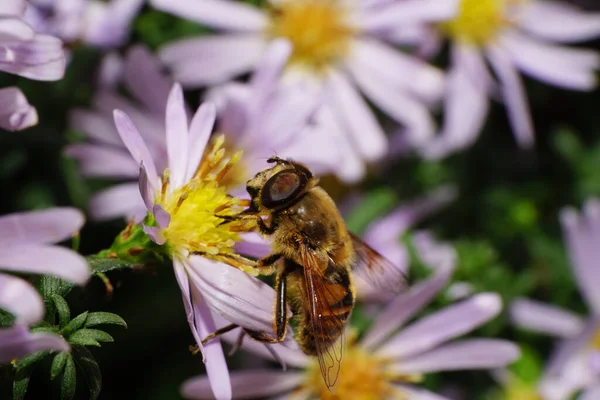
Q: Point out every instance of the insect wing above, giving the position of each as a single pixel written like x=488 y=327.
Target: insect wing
x=376 y=269
x=325 y=323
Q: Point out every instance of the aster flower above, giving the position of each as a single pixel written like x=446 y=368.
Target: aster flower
x=384 y=235
x=97 y=23
x=384 y=363
x=574 y=366
x=182 y=205
x=337 y=57
x=26 y=240
x=28 y=54
x=511 y=35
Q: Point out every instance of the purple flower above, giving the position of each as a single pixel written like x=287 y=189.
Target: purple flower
x=26 y=247
x=384 y=236
x=182 y=205
x=512 y=36
x=97 y=23
x=26 y=53
x=385 y=362
x=575 y=364
x=337 y=55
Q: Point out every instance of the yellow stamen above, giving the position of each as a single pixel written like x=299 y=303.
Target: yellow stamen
x=194 y=226
x=479 y=21
x=521 y=391
x=318 y=29
x=362 y=376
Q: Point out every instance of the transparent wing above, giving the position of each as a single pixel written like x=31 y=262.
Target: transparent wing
x=328 y=327
x=376 y=269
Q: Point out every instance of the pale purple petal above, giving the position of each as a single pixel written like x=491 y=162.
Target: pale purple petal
x=466 y=104
x=363 y=128
x=16 y=113
x=14 y=29
x=200 y=130
x=513 y=94
x=395 y=102
x=135 y=144
x=123 y=200
x=556 y=65
x=12 y=7
x=218 y=14
x=432 y=253
x=209 y=60
x=268 y=72
x=111 y=71
x=103 y=161
x=233 y=294
x=216 y=366
x=155 y=233
x=404 y=307
x=44 y=226
x=441 y=326
x=247 y=384
x=41 y=58
x=146 y=190
x=545 y=318
x=183 y=281
x=163 y=218
x=400 y=71
x=558 y=21
x=95 y=126
x=145 y=80
x=48 y=260
x=463 y=354
x=107 y=24
x=177 y=136
x=253 y=245
x=17 y=342
x=582 y=236
x=408 y=12
x=21 y=299
x=232 y=101
x=592 y=393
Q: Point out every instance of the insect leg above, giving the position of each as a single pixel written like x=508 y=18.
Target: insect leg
x=281 y=320
x=265 y=264
x=219 y=332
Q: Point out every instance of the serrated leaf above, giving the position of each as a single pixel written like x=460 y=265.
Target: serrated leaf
x=62 y=308
x=104 y=265
x=69 y=379
x=85 y=360
x=99 y=318
x=45 y=329
x=6 y=318
x=75 y=324
x=50 y=285
x=90 y=337
x=58 y=363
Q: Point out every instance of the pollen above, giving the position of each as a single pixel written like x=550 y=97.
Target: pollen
x=362 y=376
x=196 y=209
x=318 y=29
x=479 y=21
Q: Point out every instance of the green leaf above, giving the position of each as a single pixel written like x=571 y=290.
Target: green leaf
x=372 y=206
x=21 y=383
x=69 y=379
x=58 y=363
x=6 y=318
x=46 y=329
x=62 y=308
x=99 y=318
x=85 y=360
x=104 y=265
x=75 y=324
x=24 y=368
x=50 y=285
x=90 y=337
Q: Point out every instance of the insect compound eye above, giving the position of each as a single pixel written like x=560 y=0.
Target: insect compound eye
x=282 y=187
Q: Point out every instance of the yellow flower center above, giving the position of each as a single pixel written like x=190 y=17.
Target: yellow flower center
x=194 y=208
x=318 y=30
x=362 y=376
x=478 y=21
